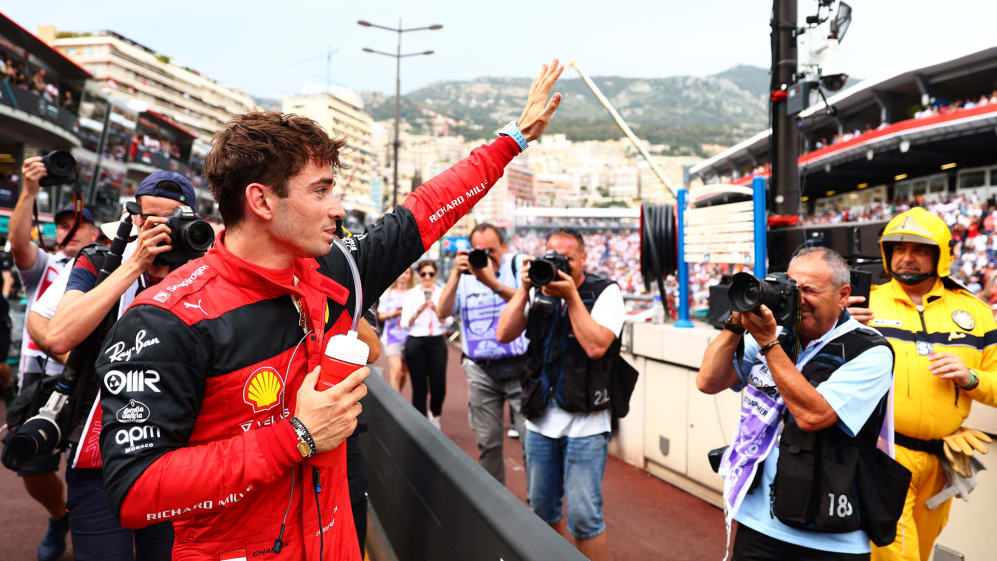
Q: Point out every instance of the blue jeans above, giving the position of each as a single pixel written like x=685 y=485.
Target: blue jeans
x=96 y=532
x=567 y=467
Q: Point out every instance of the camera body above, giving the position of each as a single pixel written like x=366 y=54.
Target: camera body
x=190 y=237
x=478 y=258
x=544 y=269
x=61 y=168
x=777 y=291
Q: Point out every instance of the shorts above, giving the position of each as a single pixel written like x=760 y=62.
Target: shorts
x=394 y=349
x=571 y=468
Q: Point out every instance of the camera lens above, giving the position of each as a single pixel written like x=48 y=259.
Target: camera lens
x=478 y=258
x=541 y=272
x=199 y=235
x=747 y=292
x=61 y=163
x=35 y=437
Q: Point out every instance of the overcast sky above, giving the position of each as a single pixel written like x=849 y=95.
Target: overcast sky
x=264 y=47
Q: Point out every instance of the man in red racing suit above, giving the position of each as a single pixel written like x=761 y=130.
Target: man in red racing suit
x=210 y=416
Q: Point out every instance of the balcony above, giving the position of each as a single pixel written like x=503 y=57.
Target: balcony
x=27 y=117
x=148 y=161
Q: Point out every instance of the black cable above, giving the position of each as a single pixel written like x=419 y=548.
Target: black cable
x=279 y=544
x=318 y=488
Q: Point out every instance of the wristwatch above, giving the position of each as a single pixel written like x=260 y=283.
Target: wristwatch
x=511 y=129
x=974 y=381
x=305 y=445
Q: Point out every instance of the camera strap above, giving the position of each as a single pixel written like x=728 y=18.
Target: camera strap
x=78 y=210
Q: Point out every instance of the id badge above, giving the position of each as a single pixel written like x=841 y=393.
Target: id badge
x=923 y=348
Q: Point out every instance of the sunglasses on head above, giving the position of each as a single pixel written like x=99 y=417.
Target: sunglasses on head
x=425 y=274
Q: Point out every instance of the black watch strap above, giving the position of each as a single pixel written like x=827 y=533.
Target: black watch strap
x=302 y=432
x=733 y=327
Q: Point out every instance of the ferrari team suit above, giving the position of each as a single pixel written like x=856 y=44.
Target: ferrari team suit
x=926 y=407
x=201 y=374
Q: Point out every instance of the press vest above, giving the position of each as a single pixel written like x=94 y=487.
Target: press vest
x=815 y=486
x=557 y=366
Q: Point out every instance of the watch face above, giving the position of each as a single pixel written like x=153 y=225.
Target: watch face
x=304 y=449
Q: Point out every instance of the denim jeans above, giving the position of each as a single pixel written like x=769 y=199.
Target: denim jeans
x=572 y=469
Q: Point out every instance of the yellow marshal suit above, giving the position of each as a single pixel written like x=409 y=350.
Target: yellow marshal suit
x=927 y=407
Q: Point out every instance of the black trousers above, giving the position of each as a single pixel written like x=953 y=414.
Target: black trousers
x=750 y=545
x=426 y=358
x=96 y=532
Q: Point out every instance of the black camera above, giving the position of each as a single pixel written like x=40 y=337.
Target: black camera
x=41 y=433
x=61 y=168
x=478 y=258
x=190 y=237
x=777 y=291
x=544 y=269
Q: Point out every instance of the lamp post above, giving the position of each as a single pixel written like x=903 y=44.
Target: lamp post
x=398 y=56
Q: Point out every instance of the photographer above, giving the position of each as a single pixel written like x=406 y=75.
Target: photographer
x=573 y=322
x=235 y=340
x=943 y=338
x=95 y=532
x=481 y=287
x=37 y=270
x=851 y=369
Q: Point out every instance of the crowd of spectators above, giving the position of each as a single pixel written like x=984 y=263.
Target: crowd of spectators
x=942 y=109
x=155 y=145
x=14 y=73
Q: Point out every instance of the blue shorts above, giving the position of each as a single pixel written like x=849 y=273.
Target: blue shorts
x=572 y=468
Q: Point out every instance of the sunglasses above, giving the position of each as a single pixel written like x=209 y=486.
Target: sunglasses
x=427 y=274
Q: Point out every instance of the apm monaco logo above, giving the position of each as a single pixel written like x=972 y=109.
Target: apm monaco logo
x=263 y=390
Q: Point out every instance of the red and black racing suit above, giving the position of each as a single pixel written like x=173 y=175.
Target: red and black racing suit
x=201 y=374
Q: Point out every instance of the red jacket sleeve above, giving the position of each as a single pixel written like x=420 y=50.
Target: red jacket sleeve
x=440 y=202
x=151 y=396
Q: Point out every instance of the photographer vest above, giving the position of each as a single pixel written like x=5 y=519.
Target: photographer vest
x=556 y=365
x=826 y=480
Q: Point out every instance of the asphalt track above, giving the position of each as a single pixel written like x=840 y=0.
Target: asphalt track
x=646 y=518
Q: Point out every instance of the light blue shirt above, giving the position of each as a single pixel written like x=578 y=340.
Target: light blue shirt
x=853 y=391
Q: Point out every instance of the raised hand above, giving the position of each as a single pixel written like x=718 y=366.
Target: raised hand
x=538 y=111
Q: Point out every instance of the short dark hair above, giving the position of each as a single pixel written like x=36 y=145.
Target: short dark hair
x=265 y=147
x=571 y=233
x=425 y=263
x=485 y=226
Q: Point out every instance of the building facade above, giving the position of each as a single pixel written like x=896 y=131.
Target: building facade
x=125 y=68
x=343 y=117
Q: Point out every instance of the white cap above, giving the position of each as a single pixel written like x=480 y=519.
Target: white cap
x=348 y=348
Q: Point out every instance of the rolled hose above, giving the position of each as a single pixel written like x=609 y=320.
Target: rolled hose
x=658 y=245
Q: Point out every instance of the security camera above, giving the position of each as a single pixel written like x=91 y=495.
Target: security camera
x=831 y=67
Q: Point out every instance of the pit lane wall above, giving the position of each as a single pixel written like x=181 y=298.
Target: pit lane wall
x=672 y=426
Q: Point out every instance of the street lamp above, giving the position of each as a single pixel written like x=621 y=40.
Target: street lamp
x=398 y=56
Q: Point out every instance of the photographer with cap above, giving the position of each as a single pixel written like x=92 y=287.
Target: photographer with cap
x=573 y=323
x=817 y=390
x=945 y=341
x=37 y=270
x=481 y=289
x=96 y=533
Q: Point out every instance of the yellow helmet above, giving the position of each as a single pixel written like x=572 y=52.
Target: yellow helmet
x=919 y=226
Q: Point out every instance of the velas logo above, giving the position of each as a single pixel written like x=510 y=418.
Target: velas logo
x=263 y=390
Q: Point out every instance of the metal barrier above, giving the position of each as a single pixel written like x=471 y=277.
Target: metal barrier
x=434 y=502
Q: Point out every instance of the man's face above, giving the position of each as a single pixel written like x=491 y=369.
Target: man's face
x=821 y=303
x=305 y=221
x=155 y=206
x=912 y=258
x=86 y=234
x=489 y=240
x=570 y=248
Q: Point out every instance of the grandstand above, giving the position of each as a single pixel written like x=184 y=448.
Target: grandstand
x=926 y=133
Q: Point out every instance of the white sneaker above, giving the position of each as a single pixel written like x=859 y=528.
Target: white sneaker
x=512 y=432
x=435 y=421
